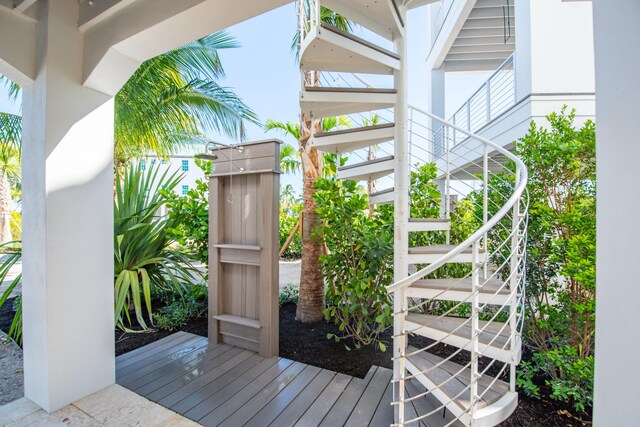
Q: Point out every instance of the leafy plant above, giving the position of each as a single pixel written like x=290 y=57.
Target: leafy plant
x=186 y=306
x=290 y=211
x=190 y=216
x=359 y=265
x=560 y=322
x=289 y=293
x=12 y=253
x=143 y=257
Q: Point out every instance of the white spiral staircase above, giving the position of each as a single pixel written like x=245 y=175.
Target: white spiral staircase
x=463 y=373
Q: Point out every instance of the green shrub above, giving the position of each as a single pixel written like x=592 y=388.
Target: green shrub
x=143 y=256
x=289 y=293
x=360 y=264
x=186 y=306
x=190 y=216
x=290 y=210
x=12 y=253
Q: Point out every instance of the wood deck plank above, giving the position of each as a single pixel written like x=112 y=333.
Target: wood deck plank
x=189 y=384
x=278 y=399
x=124 y=364
x=224 y=385
x=147 y=348
x=340 y=412
x=301 y=403
x=147 y=374
x=197 y=367
x=383 y=416
x=364 y=410
x=216 y=398
x=166 y=353
x=264 y=384
x=321 y=406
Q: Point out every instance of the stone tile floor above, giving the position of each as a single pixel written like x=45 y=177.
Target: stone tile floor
x=113 y=406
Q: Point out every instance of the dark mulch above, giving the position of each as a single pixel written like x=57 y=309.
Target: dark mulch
x=126 y=342
x=308 y=343
x=6 y=315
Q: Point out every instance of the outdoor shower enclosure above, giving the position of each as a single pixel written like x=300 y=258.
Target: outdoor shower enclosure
x=244 y=192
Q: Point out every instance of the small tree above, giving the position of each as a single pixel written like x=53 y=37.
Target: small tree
x=561 y=257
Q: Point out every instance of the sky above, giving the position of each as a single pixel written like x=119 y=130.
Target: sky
x=264 y=73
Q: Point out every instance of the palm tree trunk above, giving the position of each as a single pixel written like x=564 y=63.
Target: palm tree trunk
x=5 y=209
x=311 y=293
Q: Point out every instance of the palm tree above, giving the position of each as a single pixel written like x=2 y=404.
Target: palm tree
x=289 y=159
x=172 y=98
x=10 y=145
x=311 y=293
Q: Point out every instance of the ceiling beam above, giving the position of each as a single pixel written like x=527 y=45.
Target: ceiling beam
x=134 y=31
x=17 y=47
x=22 y=5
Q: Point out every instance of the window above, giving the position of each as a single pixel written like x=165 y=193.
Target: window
x=153 y=162
x=143 y=164
x=163 y=161
x=185 y=190
x=185 y=165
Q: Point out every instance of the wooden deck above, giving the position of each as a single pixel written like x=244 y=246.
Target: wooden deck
x=230 y=386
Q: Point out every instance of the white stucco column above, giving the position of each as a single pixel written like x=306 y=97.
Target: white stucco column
x=68 y=220
x=436 y=97
x=617 y=384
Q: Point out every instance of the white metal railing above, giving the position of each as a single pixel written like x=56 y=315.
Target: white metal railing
x=496 y=95
x=502 y=237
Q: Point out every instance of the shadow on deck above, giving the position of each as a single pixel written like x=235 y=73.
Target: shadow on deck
x=229 y=386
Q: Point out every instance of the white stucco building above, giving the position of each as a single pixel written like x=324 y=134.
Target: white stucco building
x=536 y=55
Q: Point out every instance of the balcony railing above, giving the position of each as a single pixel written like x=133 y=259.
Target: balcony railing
x=493 y=98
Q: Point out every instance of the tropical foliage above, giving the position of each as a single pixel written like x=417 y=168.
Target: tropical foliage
x=311 y=297
x=359 y=264
x=172 y=98
x=10 y=167
x=144 y=260
x=561 y=289
x=12 y=253
x=290 y=217
x=190 y=216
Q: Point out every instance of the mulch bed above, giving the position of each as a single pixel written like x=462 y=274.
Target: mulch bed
x=308 y=343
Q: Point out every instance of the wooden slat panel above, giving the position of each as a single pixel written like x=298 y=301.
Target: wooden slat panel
x=240 y=399
x=268 y=148
x=301 y=403
x=219 y=397
x=216 y=273
x=273 y=399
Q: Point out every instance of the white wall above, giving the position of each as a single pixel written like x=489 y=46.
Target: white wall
x=554 y=47
x=617 y=38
